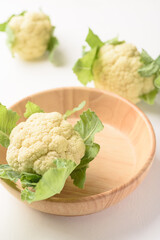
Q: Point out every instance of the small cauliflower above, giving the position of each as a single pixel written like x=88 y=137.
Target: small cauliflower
x=30 y=35
x=43 y=138
x=118 y=67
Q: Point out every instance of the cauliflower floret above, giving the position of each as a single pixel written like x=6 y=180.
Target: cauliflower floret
x=116 y=70
x=43 y=138
x=32 y=33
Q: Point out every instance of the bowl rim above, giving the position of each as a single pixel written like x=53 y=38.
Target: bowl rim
x=149 y=159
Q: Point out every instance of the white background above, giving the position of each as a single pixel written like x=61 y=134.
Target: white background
x=138 y=216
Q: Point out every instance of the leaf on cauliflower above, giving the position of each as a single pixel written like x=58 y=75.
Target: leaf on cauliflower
x=90 y=153
x=79 y=177
x=53 y=43
x=149 y=97
x=79 y=173
x=4 y=24
x=76 y=109
x=84 y=50
x=149 y=69
x=29 y=179
x=157 y=81
x=8 y=120
x=145 y=58
x=93 y=40
x=27 y=195
x=32 y=108
x=6 y=172
x=51 y=183
x=150 y=66
x=114 y=41
x=87 y=127
x=83 y=67
x=157 y=61
x=10 y=39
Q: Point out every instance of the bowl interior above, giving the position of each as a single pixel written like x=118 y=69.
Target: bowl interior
x=127 y=141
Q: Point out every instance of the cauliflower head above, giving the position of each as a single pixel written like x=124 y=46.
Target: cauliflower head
x=30 y=34
x=43 y=138
x=116 y=70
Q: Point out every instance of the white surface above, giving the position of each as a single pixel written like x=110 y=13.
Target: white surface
x=138 y=216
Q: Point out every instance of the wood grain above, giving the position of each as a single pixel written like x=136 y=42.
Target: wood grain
x=127 y=150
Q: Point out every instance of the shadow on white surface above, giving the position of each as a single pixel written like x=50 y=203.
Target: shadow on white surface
x=59 y=59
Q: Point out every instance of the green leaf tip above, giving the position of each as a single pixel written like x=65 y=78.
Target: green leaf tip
x=8 y=120
x=32 y=108
x=93 y=40
x=114 y=41
x=145 y=57
x=83 y=67
x=76 y=109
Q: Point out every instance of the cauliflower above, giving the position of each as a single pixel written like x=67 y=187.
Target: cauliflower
x=116 y=70
x=46 y=149
x=118 y=67
x=44 y=137
x=30 y=35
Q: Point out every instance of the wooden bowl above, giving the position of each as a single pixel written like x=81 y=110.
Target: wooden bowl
x=127 y=150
